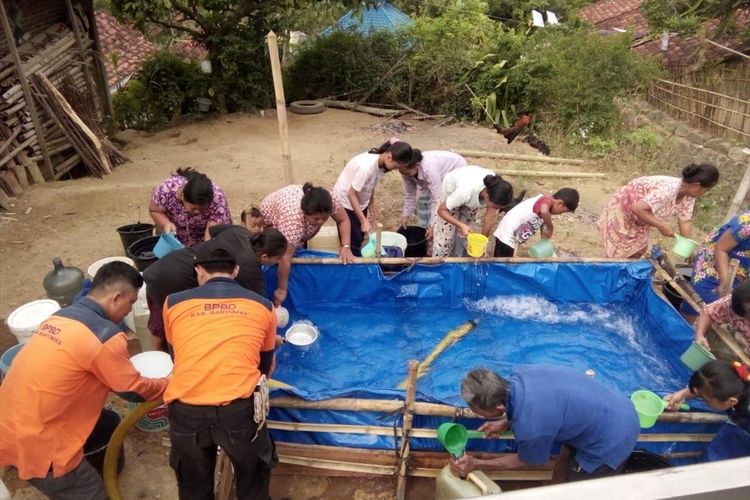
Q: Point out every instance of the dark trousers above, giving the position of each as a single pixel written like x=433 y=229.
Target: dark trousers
x=503 y=250
x=575 y=472
x=356 y=235
x=196 y=431
x=82 y=483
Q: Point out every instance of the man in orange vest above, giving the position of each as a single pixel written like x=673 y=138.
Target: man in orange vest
x=54 y=392
x=223 y=338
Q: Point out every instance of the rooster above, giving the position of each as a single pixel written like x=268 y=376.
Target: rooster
x=536 y=143
x=512 y=132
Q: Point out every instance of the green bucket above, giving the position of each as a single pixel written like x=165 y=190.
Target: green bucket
x=684 y=246
x=648 y=406
x=696 y=356
x=542 y=249
x=454 y=437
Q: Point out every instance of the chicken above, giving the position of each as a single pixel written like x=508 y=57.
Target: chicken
x=512 y=132
x=536 y=143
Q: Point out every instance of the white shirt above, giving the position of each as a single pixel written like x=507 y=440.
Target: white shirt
x=361 y=173
x=521 y=222
x=461 y=187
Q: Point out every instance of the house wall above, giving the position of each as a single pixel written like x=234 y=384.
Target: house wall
x=37 y=15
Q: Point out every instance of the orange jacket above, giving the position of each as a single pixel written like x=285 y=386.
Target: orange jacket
x=217 y=332
x=55 y=389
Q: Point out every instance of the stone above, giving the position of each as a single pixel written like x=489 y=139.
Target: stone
x=682 y=130
x=656 y=115
x=713 y=143
x=695 y=138
x=738 y=154
x=669 y=125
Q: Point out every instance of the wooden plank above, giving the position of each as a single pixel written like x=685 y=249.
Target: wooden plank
x=20 y=172
x=513 y=156
x=278 y=88
x=24 y=85
x=741 y=194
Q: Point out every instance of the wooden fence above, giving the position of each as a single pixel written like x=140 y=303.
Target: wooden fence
x=717 y=113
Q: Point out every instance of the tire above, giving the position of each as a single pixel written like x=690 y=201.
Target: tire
x=307 y=107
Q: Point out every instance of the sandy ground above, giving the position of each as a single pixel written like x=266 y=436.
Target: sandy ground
x=76 y=221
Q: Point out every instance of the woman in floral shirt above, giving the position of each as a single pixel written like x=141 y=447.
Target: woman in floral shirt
x=187 y=204
x=711 y=268
x=644 y=202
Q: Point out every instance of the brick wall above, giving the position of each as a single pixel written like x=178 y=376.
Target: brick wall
x=37 y=15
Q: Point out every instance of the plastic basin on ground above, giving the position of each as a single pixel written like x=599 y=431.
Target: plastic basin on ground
x=26 y=320
x=93 y=268
x=6 y=359
x=142 y=252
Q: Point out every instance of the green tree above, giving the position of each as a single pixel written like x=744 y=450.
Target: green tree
x=687 y=15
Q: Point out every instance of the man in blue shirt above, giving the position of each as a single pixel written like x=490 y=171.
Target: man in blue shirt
x=544 y=405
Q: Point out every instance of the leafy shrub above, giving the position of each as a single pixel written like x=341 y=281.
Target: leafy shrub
x=164 y=88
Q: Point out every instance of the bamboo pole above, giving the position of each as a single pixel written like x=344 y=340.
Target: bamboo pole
x=81 y=49
x=740 y=195
x=548 y=173
x=411 y=390
x=278 y=88
x=25 y=86
x=512 y=156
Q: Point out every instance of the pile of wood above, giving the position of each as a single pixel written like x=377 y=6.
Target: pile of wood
x=56 y=55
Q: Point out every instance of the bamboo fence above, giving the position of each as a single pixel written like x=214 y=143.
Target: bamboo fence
x=719 y=114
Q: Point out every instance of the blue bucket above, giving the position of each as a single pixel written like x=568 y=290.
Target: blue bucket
x=167 y=243
x=7 y=358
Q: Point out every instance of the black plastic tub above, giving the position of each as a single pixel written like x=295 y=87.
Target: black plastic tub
x=131 y=233
x=96 y=445
x=142 y=252
x=642 y=461
x=670 y=293
x=416 y=240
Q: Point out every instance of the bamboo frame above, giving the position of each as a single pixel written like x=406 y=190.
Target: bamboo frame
x=454 y=260
x=411 y=390
x=703 y=117
x=511 y=156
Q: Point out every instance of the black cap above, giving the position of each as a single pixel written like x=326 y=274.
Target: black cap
x=213 y=252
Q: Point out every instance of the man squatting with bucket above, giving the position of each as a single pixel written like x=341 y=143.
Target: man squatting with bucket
x=54 y=392
x=544 y=405
x=223 y=338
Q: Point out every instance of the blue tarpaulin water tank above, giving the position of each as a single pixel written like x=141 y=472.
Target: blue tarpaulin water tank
x=372 y=17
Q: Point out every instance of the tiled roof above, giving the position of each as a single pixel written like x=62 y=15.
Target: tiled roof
x=382 y=16
x=130 y=46
x=682 y=50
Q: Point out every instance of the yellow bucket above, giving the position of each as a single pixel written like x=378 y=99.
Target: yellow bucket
x=476 y=244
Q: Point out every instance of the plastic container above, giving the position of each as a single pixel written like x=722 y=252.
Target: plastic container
x=649 y=406
x=167 y=243
x=6 y=359
x=416 y=240
x=282 y=316
x=153 y=364
x=204 y=104
x=93 y=268
x=26 y=320
x=684 y=247
x=133 y=232
x=670 y=293
x=450 y=487
x=142 y=252
x=696 y=356
x=454 y=437
x=542 y=249
x=302 y=335
x=476 y=245
x=63 y=283
x=326 y=239
x=140 y=321
x=95 y=446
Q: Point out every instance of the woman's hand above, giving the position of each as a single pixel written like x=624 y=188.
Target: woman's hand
x=279 y=296
x=701 y=340
x=346 y=255
x=465 y=230
x=666 y=231
x=676 y=399
x=464 y=465
x=405 y=221
x=169 y=227
x=428 y=233
x=494 y=428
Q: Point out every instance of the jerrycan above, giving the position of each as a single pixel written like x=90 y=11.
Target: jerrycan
x=63 y=283
x=449 y=486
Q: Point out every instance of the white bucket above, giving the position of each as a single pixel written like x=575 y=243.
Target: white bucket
x=152 y=364
x=93 y=268
x=392 y=239
x=327 y=239
x=25 y=321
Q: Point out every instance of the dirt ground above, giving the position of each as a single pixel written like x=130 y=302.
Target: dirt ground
x=76 y=221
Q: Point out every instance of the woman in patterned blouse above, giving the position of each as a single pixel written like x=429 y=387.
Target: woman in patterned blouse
x=187 y=204
x=644 y=202
x=711 y=267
